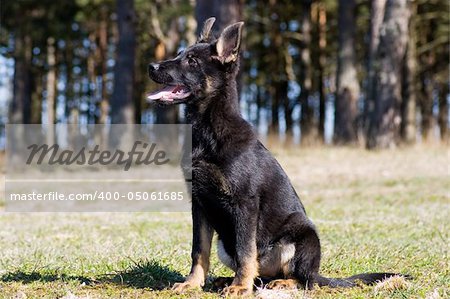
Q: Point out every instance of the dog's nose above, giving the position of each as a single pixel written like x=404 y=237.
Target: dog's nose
x=154 y=66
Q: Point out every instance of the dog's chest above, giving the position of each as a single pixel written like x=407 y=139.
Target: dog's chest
x=209 y=179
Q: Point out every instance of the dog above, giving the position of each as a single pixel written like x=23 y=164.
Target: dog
x=238 y=190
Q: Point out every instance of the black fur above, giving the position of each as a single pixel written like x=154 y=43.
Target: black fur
x=238 y=188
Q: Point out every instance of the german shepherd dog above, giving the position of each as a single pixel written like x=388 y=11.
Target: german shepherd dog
x=239 y=190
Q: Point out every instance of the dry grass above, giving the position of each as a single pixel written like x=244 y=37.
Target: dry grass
x=391 y=284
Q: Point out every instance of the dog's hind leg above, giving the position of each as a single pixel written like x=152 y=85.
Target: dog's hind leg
x=303 y=267
x=283 y=284
x=201 y=249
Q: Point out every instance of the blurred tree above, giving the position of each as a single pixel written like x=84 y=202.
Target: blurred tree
x=51 y=80
x=433 y=44
x=66 y=63
x=376 y=20
x=319 y=60
x=347 y=85
x=443 y=111
x=307 y=124
x=122 y=97
x=386 y=118
x=226 y=12
x=20 y=106
x=409 y=83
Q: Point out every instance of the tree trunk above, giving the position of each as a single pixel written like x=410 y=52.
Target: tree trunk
x=70 y=95
x=204 y=9
x=385 y=121
x=36 y=100
x=443 y=111
x=122 y=97
x=347 y=87
x=322 y=44
x=51 y=81
x=51 y=89
x=20 y=106
x=226 y=12
x=408 y=124
x=92 y=81
x=281 y=93
x=376 y=20
x=305 y=78
x=427 y=60
x=274 y=125
x=426 y=101
x=103 y=50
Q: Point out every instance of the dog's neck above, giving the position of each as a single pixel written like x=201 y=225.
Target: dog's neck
x=223 y=103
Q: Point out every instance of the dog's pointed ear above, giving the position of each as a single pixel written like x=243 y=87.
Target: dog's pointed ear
x=205 y=34
x=229 y=43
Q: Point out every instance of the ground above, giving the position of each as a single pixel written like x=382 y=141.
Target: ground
x=375 y=211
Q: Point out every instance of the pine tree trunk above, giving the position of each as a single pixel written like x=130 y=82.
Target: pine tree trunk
x=122 y=97
x=408 y=125
x=443 y=111
x=274 y=125
x=103 y=50
x=347 y=87
x=308 y=132
x=70 y=94
x=426 y=103
x=376 y=20
x=92 y=81
x=204 y=9
x=384 y=129
x=321 y=31
x=51 y=80
x=228 y=12
x=427 y=83
x=36 y=101
x=19 y=111
x=51 y=90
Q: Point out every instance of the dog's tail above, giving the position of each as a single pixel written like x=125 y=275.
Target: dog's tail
x=365 y=278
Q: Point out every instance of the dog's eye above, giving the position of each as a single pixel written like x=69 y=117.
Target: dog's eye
x=192 y=61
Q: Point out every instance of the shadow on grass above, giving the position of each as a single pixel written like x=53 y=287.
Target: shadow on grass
x=28 y=277
x=146 y=274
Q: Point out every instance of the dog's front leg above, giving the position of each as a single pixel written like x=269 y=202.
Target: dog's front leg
x=201 y=248
x=246 y=255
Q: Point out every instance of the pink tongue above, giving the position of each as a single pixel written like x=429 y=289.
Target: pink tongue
x=163 y=93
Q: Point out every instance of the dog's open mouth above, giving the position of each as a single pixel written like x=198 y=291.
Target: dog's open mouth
x=170 y=93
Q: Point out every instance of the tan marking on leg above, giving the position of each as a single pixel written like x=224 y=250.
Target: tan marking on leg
x=243 y=281
x=199 y=269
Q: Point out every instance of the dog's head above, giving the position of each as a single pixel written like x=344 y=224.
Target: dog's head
x=200 y=70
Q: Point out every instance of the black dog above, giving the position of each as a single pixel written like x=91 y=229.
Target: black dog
x=238 y=189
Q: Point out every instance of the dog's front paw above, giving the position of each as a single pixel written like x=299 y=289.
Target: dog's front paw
x=234 y=291
x=181 y=287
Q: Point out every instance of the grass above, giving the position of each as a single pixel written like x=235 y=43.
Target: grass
x=376 y=211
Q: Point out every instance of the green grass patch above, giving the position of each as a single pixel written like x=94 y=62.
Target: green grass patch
x=374 y=211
